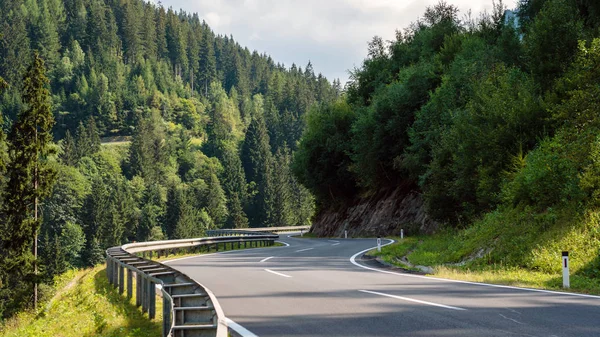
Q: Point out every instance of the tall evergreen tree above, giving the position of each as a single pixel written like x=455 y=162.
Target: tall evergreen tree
x=69 y=151
x=30 y=178
x=132 y=31
x=14 y=54
x=208 y=64
x=149 y=35
x=282 y=214
x=256 y=160
x=45 y=37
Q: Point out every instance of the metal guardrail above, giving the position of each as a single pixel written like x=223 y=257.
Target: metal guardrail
x=189 y=309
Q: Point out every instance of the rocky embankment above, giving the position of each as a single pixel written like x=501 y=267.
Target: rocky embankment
x=384 y=213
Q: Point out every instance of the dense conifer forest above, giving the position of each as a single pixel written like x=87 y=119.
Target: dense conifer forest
x=149 y=126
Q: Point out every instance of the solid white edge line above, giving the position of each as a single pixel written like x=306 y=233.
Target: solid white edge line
x=239 y=329
x=285 y=243
x=276 y=273
x=412 y=300
x=227 y=252
x=267 y=259
x=353 y=260
x=303 y=250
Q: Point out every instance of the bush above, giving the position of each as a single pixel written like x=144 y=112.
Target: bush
x=550 y=178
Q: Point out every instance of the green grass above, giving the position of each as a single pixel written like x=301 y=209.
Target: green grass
x=85 y=305
x=517 y=246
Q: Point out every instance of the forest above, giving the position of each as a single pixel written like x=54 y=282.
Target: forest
x=493 y=120
x=147 y=126
x=481 y=114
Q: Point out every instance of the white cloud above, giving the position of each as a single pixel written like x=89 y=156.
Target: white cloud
x=333 y=34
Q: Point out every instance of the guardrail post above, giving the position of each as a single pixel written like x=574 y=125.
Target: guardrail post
x=152 y=299
x=138 y=290
x=144 y=294
x=108 y=269
x=166 y=316
x=129 y=284
x=121 y=279
x=115 y=273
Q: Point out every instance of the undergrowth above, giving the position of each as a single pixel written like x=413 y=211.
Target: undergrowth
x=85 y=305
x=515 y=246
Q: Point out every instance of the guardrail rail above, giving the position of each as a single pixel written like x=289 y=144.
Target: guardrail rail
x=189 y=309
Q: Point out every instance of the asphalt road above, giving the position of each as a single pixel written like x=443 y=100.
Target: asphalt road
x=313 y=288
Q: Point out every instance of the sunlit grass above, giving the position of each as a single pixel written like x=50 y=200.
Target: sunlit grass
x=89 y=306
x=515 y=247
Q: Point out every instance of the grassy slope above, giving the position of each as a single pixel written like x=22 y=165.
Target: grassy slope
x=515 y=247
x=85 y=305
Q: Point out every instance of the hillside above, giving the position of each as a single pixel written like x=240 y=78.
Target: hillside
x=85 y=304
x=210 y=127
x=492 y=119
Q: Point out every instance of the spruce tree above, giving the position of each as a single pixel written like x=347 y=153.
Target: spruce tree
x=256 y=160
x=216 y=201
x=69 y=150
x=237 y=215
x=93 y=135
x=208 y=64
x=83 y=142
x=29 y=176
x=282 y=214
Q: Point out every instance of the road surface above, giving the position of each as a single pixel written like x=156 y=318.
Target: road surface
x=320 y=287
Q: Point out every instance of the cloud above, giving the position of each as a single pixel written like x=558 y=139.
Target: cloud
x=333 y=34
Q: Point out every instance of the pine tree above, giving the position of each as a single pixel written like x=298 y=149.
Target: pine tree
x=256 y=160
x=69 y=154
x=282 y=214
x=132 y=31
x=161 y=31
x=148 y=151
x=237 y=215
x=93 y=135
x=233 y=178
x=45 y=36
x=208 y=63
x=30 y=178
x=15 y=53
x=149 y=35
x=173 y=209
x=83 y=143
x=216 y=201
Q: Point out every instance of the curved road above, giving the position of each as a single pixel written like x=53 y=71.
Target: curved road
x=314 y=287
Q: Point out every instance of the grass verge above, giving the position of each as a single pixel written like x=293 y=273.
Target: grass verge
x=85 y=305
x=517 y=247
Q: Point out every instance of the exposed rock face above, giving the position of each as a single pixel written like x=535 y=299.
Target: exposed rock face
x=384 y=213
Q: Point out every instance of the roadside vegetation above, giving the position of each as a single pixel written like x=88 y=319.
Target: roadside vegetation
x=514 y=247
x=85 y=304
x=495 y=121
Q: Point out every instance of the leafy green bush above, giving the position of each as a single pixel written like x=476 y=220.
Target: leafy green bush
x=549 y=178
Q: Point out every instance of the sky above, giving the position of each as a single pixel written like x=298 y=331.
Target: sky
x=332 y=34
